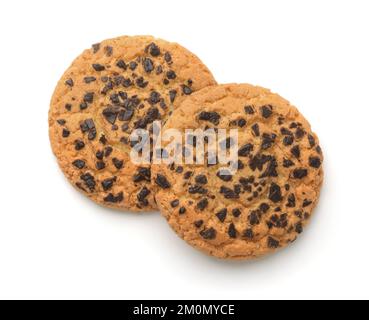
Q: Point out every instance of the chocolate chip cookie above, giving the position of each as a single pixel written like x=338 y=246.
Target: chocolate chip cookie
x=268 y=202
x=115 y=87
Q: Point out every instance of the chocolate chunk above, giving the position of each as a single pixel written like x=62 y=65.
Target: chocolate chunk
x=65 y=133
x=315 y=162
x=275 y=193
x=154 y=97
x=258 y=162
x=89 y=181
x=69 y=82
x=245 y=150
x=142 y=195
x=141 y=82
x=300 y=173
x=89 y=97
x=299 y=133
x=83 y=106
x=92 y=134
x=162 y=182
x=79 y=164
x=197 y=190
x=248 y=234
x=171 y=75
x=172 y=95
x=272 y=243
x=186 y=90
x=268 y=141
x=100 y=155
x=187 y=175
x=241 y=123
x=198 y=224
x=96 y=47
x=222 y=215
x=232 y=232
x=236 y=213
x=255 y=128
x=98 y=67
x=133 y=65
x=229 y=193
x=148 y=65
x=89 y=79
x=249 y=110
x=174 y=203
x=212 y=117
x=168 y=57
x=103 y=140
x=291 y=201
x=306 y=203
x=79 y=145
x=100 y=165
x=311 y=141
x=288 y=140
x=125 y=115
x=107 y=184
x=225 y=177
x=153 y=49
x=182 y=210
x=202 y=205
x=266 y=111
x=287 y=163
x=264 y=207
x=61 y=122
x=122 y=65
x=114 y=199
x=296 y=151
x=201 y=179
x=117 y=163
x=254 y=218
x=142 y=174
x=271 y=170
x=209 y=234
x=68 y=107
x=108 y=51
x=111 y=114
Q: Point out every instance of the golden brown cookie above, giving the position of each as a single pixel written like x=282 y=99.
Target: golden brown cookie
x=270 y=199
x=111 y=89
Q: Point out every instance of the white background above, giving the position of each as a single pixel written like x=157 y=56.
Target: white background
x=54 y=243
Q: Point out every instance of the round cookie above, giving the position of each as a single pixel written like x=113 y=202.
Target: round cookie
x=115 y=87
x=270 y=199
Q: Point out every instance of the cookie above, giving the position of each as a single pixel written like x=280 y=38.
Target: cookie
x=268 y=202
x=115 y=87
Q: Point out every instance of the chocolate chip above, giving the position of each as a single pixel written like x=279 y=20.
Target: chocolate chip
x=162 y=182
x=186 y=90
x=148 y=65
x=88 y=80
x=114 y=199
x=69 y=82
x=108 y=51
x=98 y=67
x=275 y=193
x=222 y=215
x=291 y=201
x=107 y=184
x=254 y=218
x=299 y=133
x=209 y=234
x=249 y=110
x=232 y=232
x=141 y=82
x=311 y=141
x=299 y=228
x=229 y=193
x=100 y=165
x=171 y=75
x=255 y=128
x=122 y=65
x=103 y=140
x=96 y=47
x=83 y=106
x=154 y=97
x=212 y=117
x=306 y=203
x=133 y=65
x=79 y=145
x=271 y=170
x=236 y=213
x=241 y=123
x=315 y=162
x=65 y=133
x=111 y=114
x=89 y=181
x=296 y=151
x=61 y=122
x=264 y=207
x=100 y=155
x=272 y=243
x=142 y=195
x=245 y=150
x=79 y=164
x=167 y=57
x=198 y=224
x=108 y=151
x=153 y=49
x=300 y=173
x=266 y=111
x=197 y=190
x=268 y=141
x=201 y=179
x=68 y=107
x=187 y=175
x=126 y=115
x=202 y=205
x=225 y=177
x=248 y=233
x=172 y=95
x=174 y=203
x=117 y=163
x=287 y=163
x=92 y=134
x=182 y=210
x=142 y=174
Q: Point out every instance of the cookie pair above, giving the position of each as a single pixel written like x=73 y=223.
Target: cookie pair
x=127 y=83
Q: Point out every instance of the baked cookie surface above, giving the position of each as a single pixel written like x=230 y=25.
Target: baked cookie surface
x=270 y=199
x=115 y=87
